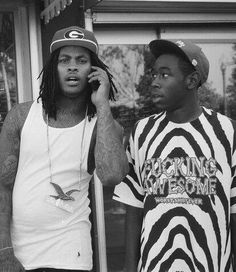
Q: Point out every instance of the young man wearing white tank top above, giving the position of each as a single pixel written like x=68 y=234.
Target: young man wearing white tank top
x=49 y=149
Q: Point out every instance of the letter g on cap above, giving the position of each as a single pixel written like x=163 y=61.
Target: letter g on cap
x=74 y=34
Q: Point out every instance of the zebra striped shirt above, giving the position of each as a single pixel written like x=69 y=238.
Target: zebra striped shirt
x=183 y=176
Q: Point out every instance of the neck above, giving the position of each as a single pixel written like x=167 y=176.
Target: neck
x=74 y=106
x=70 y=112
x=185 y=114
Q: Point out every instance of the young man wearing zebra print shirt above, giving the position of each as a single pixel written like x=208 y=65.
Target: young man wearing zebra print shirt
x=181 y=188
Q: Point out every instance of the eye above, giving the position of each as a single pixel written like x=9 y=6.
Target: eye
x=160 y=75
x=82 y=61
x=154 y=75
x=64 y=60
x=164 y=75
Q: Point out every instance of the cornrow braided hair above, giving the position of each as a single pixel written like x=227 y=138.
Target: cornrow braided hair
x=50 y=88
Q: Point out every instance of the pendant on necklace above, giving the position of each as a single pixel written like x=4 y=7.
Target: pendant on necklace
x=61 y=200
x=61 y=195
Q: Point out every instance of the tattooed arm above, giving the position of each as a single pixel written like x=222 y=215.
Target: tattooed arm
x=110 y=158
x=9 y=152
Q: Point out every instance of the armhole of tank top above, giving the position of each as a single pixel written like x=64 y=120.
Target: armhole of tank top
x=91 y=158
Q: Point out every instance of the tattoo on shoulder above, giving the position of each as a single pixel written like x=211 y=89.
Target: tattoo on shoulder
x=10 y=145
x=9 y=166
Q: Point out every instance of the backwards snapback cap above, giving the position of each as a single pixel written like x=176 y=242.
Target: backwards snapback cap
x=76 y=36
x=184 y=48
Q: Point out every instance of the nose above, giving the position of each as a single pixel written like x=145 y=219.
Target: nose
x=155 y=82
x=73 y=66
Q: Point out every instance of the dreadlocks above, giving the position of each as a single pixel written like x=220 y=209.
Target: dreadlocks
x=49 y=85
x=50 y=89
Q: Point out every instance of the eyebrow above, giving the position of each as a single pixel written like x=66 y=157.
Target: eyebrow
x=161 y=68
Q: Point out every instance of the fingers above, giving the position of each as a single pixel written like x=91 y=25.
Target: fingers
x=98 y=74
x=99 y=95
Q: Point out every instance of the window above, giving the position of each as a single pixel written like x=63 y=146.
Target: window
x=8 y=82
x=19 y=40
x=125 y=57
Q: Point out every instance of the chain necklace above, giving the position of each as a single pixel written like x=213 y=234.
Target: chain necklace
x=67 y=195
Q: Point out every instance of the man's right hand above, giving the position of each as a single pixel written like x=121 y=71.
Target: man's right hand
x=9 y=263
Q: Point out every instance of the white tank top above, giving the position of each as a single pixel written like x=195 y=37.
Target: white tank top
x=43 y=234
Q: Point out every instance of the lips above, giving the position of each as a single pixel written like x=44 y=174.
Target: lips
x=157 y=97
x=72 y=80
x=156 y=93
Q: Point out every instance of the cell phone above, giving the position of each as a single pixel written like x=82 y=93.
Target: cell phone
x=94 y=85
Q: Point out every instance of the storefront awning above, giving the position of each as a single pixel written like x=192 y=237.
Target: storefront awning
x=53 y=8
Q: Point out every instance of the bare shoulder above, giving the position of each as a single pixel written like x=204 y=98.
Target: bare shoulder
x=10 y=142
x=17 y=116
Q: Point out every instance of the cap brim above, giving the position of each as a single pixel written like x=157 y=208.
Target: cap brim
x=160 y=47
x=92 y=46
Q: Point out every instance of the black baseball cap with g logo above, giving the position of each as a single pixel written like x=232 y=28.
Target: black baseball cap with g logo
x=76 y=36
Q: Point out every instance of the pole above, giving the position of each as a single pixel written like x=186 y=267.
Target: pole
x=98 y=191
x=223 y=69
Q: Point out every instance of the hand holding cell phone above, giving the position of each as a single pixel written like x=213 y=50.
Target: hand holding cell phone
x=100 y=85
x=94 y=85
x=93 y=79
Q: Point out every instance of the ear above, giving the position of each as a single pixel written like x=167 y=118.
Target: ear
x=193 y=80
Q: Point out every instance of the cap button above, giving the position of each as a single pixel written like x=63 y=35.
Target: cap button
x=194 y=62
